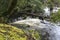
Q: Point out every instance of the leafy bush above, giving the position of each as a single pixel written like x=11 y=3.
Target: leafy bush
x=55 y=17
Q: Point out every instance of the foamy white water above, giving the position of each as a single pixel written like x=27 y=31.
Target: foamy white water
x=51 y=28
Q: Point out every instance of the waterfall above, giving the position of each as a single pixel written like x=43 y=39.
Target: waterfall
x=47 y=10
x=51 y=28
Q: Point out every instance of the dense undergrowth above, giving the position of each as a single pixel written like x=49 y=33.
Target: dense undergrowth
x=55 y=17
x=8 y=32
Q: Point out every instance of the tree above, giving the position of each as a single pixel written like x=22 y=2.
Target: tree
x=6 y=7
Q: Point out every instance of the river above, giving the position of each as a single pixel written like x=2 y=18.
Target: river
x=51 y=28
x=42 y=25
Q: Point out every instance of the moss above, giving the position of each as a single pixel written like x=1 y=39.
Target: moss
x=35 y=34
x=8 y=32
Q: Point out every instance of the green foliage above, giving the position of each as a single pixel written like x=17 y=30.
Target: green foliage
x=10 y=7
x=55 y=17
x=8 y=32
x=6 y=9
x=53 y=3
x=33 y=5
x=3 y=6
x=35 y=34
x=21 y=4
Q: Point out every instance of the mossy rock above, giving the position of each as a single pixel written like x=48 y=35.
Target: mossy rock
x=8 y=32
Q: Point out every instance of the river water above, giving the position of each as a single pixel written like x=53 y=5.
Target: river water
x=51 y=28
x=42 y=25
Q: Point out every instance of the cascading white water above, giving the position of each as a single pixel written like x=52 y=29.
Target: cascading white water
x=51 y=28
